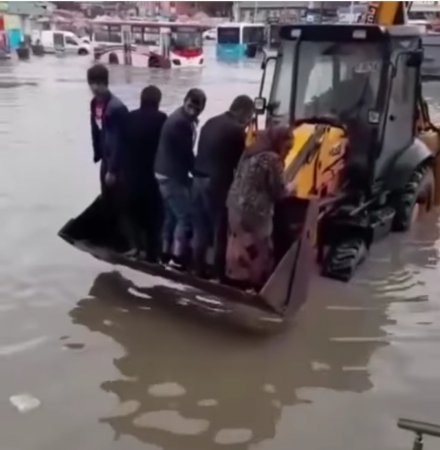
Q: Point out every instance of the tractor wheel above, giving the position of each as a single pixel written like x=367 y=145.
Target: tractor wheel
x=418 y=193
x=343 y=258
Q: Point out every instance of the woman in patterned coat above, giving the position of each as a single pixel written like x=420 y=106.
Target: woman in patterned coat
x=258 y=184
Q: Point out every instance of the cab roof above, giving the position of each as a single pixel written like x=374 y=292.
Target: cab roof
x=347 y=32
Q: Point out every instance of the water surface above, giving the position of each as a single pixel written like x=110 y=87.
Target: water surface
x=89 y=358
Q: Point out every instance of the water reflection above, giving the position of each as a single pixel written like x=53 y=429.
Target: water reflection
x=186 y=385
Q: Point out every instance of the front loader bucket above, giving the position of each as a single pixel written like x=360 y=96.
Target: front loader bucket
x=95 y=232
x=287 y=288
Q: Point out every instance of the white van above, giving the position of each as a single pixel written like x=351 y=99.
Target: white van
x=63 y=42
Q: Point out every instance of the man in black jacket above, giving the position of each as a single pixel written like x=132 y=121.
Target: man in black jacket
x=221 y=144
x=174 y=163
x=144 y=200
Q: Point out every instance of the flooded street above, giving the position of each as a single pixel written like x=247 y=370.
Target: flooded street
x=90 y=360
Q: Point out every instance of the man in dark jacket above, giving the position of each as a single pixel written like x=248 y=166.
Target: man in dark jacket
x=108 y=117
x=144 y=200
x=173 y=166
x=221 y=144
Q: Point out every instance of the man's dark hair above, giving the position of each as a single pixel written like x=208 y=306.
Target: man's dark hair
x=197 y=97
x=242 y=103
x=151 y=97
x=97 y=74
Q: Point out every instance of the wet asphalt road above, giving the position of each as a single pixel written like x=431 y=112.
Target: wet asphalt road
x=103 y=366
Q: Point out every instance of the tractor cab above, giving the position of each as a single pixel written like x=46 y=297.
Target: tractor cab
x=362 y=78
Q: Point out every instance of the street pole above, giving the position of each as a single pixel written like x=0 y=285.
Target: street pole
x=351 y=12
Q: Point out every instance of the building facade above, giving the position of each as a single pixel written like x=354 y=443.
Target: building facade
x=214 y=9
x=264 y=11
x=17 y=19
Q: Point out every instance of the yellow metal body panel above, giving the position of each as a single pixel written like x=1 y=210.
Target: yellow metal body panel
x=431 y=139
x=321 y=174
x=386 y=13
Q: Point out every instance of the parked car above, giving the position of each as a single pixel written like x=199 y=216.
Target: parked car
x=63 y=42
x=210 y=35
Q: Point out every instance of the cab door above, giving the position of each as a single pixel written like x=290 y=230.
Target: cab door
x=71 y=45
x=59 y=43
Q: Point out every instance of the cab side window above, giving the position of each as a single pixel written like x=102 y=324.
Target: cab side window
x=400 y=117
x=71 y=41
x=402 y=100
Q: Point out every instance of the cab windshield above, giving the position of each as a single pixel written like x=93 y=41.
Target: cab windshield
x=335 y=80
x=185 y=39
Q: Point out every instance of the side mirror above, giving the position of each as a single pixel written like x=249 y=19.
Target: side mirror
x=260 y=105
x=415 y=59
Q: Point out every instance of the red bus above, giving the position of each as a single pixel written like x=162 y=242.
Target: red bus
x=148 y=44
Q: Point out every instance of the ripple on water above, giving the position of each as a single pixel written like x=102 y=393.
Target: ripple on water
x=24 y=402
x=7 y=84
x=7 y=350
x=269 y=388
x=229 y=436
x=208 y=402
x=7 y=307
x=173 y=422
x=128 y=408
x=166 y=390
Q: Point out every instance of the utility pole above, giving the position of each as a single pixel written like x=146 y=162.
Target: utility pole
x=236 y=11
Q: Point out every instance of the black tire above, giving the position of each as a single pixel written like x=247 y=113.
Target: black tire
x=154 y=62
x=82 y=52
x=343 y=258
x=113 y=58
x=418 y=190
x=251 y=50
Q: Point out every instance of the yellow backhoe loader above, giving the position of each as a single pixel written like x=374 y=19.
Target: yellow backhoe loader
x=364 y=162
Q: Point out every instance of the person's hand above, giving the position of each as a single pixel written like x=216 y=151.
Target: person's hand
x=110 y=179
x=291 y=188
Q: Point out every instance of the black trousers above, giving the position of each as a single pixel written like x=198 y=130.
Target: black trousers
x=210 y=225
x=144 y=208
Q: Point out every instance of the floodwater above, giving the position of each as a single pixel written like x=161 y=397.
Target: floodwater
x=90 y=360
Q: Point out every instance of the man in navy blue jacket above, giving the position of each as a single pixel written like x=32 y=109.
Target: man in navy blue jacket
x=173 y=166
x=108 y=121
x=108 y=117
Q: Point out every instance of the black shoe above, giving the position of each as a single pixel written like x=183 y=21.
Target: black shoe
x=152 y=259
x=178 y=264
x=132 y=253
x=204 y=272
x=165 y=258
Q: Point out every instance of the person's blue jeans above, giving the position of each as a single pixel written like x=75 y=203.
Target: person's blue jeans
x=177 y=226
